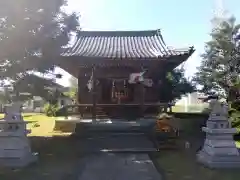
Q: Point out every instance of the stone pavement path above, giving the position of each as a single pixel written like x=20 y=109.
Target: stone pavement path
x=127 y=158
x=110 y=166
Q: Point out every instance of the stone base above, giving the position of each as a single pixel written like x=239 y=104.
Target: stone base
x=218 y=161
x=18 y=162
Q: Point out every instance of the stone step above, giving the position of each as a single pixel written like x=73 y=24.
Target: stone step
x=111 y=134
x=130 y=143
x=124 y=150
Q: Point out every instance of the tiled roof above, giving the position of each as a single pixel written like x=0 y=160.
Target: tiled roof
x=122 y=44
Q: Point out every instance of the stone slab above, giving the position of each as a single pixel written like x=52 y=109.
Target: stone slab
x=217 y=118
x=18 y=162
x=223 y=162
x=109 y=166
x=229 y=131
x=219 y=137
x=221 y=151
x=220 y=144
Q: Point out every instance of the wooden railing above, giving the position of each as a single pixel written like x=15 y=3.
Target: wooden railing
x=129 y=110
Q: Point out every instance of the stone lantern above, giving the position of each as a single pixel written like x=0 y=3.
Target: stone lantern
x=15 y=150
x=219 y=149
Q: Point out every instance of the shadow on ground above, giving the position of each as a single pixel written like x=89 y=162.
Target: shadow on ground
x=181 y=164
x=57 y=160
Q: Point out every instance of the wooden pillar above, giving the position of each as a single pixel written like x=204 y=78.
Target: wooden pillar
x=142 y=95
x=94 y=96
x=78 y=90
x=142 y=99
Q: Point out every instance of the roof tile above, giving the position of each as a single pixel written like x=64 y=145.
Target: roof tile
x=121 y=44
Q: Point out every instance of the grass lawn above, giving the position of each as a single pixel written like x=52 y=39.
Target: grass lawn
x=178 y=165
x=190 y=108
x=40 y=125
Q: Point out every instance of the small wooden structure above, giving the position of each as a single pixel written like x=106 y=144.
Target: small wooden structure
x=107 y=58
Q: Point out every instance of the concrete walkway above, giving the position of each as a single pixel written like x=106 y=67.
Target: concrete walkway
x=110 y=166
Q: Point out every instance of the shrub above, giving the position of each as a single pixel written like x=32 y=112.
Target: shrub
x=234 y=113
x=235 y=118
x=50 y=109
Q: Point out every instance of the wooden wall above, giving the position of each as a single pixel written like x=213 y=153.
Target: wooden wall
x=85 y=97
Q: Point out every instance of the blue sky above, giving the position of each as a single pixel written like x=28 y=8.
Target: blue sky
x=182 y=22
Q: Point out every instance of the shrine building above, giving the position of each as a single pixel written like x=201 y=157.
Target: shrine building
x=120 y=71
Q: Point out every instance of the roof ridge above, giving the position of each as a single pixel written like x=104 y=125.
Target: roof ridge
x=133 y=33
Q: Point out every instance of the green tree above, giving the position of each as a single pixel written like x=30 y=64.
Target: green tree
x=32 y=35
x=175 y=85
x=220 y=64
x=220 y=67
x=73 y=90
